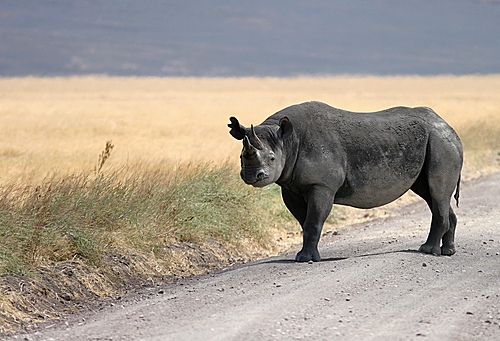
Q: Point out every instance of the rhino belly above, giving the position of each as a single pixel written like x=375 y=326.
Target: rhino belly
x=371 y=185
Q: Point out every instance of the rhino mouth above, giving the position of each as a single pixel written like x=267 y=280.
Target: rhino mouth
x=257 y=179
x=257 y=183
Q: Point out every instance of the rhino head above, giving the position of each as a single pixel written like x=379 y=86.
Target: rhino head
x=262 y=156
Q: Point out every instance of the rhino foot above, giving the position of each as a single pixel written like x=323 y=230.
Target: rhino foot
x=448 y=250
x=430 y=249
x=304 y=256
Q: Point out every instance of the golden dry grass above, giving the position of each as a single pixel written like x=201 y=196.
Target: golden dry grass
x=61 y=124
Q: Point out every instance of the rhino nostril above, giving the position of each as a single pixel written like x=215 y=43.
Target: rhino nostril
x=261 y=175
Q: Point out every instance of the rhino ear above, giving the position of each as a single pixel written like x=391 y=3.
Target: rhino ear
x=237 y=130
x=286 y=128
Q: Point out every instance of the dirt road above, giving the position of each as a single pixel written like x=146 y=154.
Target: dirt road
x=371 y=285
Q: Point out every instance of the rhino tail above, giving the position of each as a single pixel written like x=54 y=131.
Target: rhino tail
x=457 y=192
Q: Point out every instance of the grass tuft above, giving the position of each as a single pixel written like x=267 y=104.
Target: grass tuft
x=105 y=154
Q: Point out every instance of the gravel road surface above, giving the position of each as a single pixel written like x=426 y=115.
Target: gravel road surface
x=371 y=285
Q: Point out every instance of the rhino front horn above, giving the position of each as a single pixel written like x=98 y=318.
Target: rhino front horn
x=248 y=150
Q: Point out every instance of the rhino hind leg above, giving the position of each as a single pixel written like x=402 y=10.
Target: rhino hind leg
x=440 y=225
x=444 y=220
x=448 y=247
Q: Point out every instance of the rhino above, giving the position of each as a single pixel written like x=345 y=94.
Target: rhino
x=320 y=155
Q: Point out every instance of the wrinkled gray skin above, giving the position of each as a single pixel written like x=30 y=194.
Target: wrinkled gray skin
x=321 y=156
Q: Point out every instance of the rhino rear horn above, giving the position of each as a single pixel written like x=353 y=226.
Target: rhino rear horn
x=254 y=139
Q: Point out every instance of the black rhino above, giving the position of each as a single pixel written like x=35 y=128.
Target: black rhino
x=321 y=156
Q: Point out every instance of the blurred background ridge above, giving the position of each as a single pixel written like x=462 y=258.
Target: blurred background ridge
x=248 y=38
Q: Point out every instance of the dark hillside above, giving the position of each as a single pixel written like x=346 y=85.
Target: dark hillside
x=236 y=38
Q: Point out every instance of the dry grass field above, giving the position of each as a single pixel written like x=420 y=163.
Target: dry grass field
x=155 y=211
x=60 y=125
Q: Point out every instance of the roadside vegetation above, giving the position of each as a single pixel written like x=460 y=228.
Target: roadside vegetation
x=157 y=219
x=134 y=209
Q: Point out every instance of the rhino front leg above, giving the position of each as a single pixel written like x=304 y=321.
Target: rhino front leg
x=319 y=204
x=296 y=204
